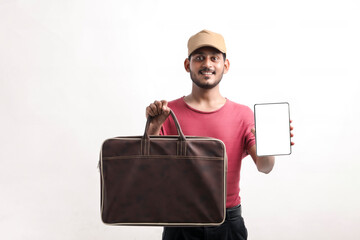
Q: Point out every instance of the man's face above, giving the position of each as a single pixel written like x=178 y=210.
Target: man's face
x=206 y=67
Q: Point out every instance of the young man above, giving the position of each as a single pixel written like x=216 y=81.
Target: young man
x=205 y=112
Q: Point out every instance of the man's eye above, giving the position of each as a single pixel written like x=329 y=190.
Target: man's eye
x=215 y=58
x=199 y=58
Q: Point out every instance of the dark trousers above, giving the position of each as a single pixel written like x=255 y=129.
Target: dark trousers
x=232 y=229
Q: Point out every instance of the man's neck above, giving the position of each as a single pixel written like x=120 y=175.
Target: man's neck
x=206 y=100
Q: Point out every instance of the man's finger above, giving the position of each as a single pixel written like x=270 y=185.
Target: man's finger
x=164 y=106
x=149 y=112
x=158 y=105
x=154 y=109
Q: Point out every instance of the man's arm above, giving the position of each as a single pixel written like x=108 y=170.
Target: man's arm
x=265 y=163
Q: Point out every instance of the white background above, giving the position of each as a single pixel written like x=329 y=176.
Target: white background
x=73 y=73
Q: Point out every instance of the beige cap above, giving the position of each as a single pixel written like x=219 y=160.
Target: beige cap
x=206 y=38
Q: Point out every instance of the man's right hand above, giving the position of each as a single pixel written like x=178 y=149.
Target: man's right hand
x=159 y=111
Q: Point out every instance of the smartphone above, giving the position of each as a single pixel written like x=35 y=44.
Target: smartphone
x=272 y=129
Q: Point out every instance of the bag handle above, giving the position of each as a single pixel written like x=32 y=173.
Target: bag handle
x=145 y=141
x=180 y=133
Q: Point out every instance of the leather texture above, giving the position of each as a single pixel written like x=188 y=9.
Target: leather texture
x=163 y=180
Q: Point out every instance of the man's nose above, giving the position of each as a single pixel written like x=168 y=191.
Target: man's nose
x=207 y=62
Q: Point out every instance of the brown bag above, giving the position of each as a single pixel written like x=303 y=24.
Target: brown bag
x=163 y=180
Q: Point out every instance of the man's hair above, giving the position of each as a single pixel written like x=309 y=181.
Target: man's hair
x=224 y=56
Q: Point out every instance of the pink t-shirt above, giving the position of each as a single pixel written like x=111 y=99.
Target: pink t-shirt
x=231 y=123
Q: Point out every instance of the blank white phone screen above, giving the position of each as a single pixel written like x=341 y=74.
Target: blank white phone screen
x=272 y=129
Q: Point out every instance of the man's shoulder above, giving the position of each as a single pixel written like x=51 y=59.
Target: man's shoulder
x=176 y=102
x=238 y=106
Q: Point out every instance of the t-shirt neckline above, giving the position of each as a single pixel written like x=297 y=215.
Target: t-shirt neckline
x=204 y=112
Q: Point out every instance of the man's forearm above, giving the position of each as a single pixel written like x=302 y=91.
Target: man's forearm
x=154 y=129
x=265 y=164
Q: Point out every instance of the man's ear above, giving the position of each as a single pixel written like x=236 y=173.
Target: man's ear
x=226 y=66
x=187 y=64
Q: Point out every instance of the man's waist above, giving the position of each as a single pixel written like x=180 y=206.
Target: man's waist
x=233 y=212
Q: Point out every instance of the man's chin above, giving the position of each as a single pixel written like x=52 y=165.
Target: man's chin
x=206 y=85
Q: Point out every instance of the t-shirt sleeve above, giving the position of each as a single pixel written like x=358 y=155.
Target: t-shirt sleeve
x=249 y=136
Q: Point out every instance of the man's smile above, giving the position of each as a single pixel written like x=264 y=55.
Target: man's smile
x=206 y=72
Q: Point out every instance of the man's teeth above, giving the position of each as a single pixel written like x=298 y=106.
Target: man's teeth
x=207 y=73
